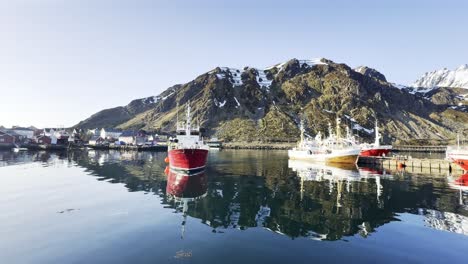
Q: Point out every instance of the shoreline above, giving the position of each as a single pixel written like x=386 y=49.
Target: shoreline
x=258 y=145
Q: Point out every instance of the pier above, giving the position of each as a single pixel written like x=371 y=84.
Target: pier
x=429 y=166
x=410 y=148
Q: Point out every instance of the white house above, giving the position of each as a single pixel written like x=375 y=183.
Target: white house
x=22 y=131
x=93 y=132
x=96 y=140
x=61 y=134
x=132 y=137
x=107 y=133
x=49 y=132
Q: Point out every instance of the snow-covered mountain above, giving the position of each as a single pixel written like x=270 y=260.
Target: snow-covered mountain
x=457 y=78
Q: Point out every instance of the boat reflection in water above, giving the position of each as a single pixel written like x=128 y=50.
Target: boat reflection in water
x=448 y=221
x=184 y=188
x=337 y=175
x=345 y=184
x=256 y=190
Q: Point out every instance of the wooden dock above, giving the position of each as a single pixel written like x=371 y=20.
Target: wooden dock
x=409 y=148
x=429 y=166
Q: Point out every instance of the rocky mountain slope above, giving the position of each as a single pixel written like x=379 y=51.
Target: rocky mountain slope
x=267 y=104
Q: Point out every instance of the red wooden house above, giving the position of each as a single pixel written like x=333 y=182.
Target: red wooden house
x=44 y=140
x=6 y=139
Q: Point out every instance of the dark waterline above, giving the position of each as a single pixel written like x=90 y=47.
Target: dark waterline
x=246 y=207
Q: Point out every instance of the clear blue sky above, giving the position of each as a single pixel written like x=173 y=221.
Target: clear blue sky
x=61 y=61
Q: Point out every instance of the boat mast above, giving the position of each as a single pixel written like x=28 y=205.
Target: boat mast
x=177 y=110
x=338 y=131
x=188 y=126
x=377 y=134
x=302 y=130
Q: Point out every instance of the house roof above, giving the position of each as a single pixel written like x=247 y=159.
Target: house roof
x=9 y=133
x=21 y=129
x=112 y=130
x=128 y=133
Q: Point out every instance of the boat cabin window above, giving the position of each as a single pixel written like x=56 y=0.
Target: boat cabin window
x=181 y=132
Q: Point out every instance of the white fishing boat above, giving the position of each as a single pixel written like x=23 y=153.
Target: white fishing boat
x=333 y=149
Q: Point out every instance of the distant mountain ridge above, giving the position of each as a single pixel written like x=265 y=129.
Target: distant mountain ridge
x=457 y=78
x=267 y=104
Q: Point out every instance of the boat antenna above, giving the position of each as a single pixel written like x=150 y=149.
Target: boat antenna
x=188 y=122
x=177 y=110
x=302 y=130
x=377 y=134
x=338 y=132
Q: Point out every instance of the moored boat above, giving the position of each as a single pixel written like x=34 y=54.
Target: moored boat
x=375 y=149
x=214 y=143
x=333 y=149
x=187 y=151
x=458 y=154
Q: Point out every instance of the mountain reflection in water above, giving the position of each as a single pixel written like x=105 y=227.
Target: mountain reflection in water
x=262 y=189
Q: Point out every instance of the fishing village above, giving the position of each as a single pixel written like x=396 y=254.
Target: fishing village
x=233 y=132
x=315 y=149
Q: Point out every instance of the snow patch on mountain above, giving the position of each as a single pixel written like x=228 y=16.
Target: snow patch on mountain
x=234 y=75
x=238 y=104
x=262 y=79
x=307 y=63
x=312 y=62
x=444 y=78
x=361 y=128
x=219 y=104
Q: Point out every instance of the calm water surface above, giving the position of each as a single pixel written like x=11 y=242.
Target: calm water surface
x=246 y=207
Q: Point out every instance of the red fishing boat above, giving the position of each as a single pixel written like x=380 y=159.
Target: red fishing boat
x=458 y=155
x=187 y=151
x=375 y=149
x=462 y=180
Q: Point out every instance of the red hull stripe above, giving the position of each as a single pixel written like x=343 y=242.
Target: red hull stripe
x=187 y=159
x=374 y=152
x=462 y=163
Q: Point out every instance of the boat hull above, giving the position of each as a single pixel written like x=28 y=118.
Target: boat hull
x=337 y=157
x=462 y=180
x=463 y=163
x=374 y=152
x=459 y=157
x=343 y=159
x=187 y=159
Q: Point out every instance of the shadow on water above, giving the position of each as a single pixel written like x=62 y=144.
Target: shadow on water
x=262 y=189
